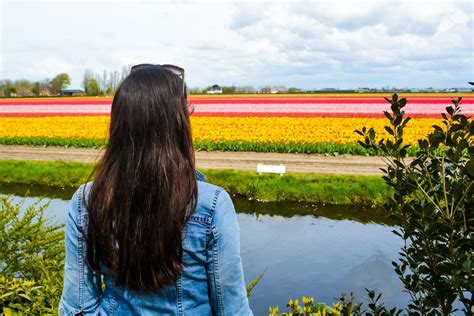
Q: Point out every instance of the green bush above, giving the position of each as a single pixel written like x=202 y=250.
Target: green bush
x=31 y=259
x=19 y=296
x=433 y=205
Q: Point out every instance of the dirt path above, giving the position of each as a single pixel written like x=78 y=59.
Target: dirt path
x=343 y=164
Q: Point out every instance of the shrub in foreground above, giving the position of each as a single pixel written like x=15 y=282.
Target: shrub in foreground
x=31 y=259
x=433 y=206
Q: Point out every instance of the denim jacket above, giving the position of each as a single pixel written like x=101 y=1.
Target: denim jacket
x=212 y=282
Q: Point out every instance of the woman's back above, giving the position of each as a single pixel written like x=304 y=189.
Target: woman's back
x=164 y=241
x=211 y=282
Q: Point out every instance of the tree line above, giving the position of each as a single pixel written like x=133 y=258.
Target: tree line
x=26 y=88
x=93 y=84
x=105 y=83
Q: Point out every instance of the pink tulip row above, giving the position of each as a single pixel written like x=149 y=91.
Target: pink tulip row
x=299 y=107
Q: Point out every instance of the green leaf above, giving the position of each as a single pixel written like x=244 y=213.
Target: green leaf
x=6 y=295
x=403 y=152
x=25 y=296
x=395 y=97
x=450 y=110
x=402 y=102
x=398 y=120
x=371 y=134
x=389 y=130
x=395 y=109
x=438 y=129
x=254 y=283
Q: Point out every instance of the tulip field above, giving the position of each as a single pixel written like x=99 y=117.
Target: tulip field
x=263 y=123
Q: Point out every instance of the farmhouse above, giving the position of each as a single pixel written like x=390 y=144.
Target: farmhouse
x=71 y=92
x=215 y=89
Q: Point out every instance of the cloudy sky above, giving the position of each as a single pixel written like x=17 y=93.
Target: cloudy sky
x=307 y=44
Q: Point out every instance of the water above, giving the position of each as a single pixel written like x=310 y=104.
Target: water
x=319 y=252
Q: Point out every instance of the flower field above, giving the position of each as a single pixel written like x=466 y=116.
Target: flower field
x=306 y=124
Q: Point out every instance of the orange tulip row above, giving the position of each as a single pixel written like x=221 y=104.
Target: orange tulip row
x=216 y=129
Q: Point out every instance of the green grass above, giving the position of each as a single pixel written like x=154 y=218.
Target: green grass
x=47 y=141
x=45 y=173
x=307 y=187
x=317 y=188
x=200 y=145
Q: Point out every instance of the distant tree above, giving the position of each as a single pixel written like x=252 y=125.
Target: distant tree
x=59 y=82
x=44 y=87
x=7 y=88
x=23 y=87
x=36 y=89
x=114 y=81
x=228 y=90
x=293 y=90
x=92 y=88
x=88 y=76
x=92 y=83
x=195 y=90
x=103 y=83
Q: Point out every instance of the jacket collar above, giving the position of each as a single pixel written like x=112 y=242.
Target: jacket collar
x=200 y=176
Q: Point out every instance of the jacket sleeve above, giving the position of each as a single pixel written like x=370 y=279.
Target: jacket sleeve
x=227 y=290
x=82 y=287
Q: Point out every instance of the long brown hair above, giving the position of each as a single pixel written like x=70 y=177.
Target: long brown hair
x=145 y=187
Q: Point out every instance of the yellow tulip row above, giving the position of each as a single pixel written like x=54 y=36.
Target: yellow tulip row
x=249 y=129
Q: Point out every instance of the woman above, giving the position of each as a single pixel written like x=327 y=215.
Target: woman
x=148 y=236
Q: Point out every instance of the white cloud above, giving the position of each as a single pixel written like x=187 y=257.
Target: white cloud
x=299 y=43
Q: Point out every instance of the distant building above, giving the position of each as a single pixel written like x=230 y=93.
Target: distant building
x=363 y=90
x=71 y=92
x=279 y=90
x=215 y=89
x=274 y=90
x=245 y=89
x=459 y=90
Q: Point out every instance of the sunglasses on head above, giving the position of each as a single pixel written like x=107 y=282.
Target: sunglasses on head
x=178 y=71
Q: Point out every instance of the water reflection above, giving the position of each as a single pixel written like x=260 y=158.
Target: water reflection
x=284 y=209
x=21 y=189
x=290 y=209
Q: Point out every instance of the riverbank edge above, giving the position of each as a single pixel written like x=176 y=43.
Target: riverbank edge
x=361 y=191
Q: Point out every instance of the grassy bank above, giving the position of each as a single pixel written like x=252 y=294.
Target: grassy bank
x=317 y=148
x=317 y=188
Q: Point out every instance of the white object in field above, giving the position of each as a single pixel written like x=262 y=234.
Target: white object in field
x=261 y=168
